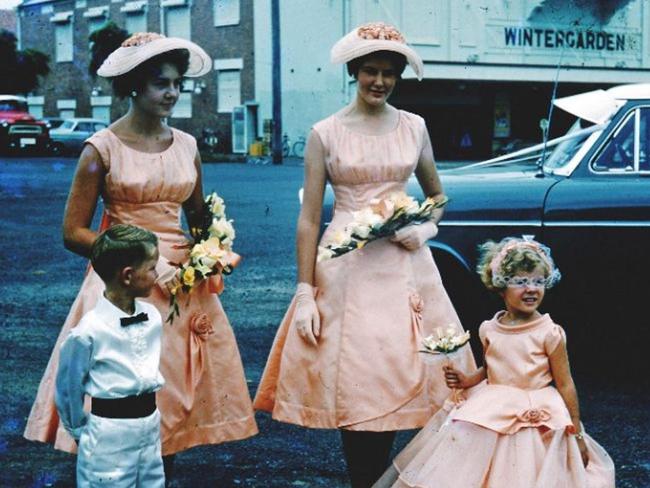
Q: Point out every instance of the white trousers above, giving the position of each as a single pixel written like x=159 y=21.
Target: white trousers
x=120 y=453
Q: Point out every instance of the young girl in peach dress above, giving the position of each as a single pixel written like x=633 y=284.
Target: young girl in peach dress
x=515 y=429
x=345 y=356
x=146 y=173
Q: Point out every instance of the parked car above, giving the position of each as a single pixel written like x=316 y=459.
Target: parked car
x=53 y=122
x=588 y=199
x=19 y=130
x=69 y=137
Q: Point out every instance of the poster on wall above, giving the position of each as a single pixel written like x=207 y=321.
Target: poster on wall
x=501 y=115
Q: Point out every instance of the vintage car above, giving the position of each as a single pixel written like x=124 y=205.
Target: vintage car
x=587 y=196
x=69 y=137
x=19 y=130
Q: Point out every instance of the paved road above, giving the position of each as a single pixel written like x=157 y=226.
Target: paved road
x=41 y=280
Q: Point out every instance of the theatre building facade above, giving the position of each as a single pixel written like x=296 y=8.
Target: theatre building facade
x=490 y=66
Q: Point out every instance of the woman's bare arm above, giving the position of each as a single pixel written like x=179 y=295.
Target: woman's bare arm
x=193 y=206
x=82 y=202
x=427 y=175
x=312 y=204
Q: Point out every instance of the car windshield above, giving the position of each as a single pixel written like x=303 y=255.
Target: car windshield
x=12 y=106
x=564 y=152
x=68 y=124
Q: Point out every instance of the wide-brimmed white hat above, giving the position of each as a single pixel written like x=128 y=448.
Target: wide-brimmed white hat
x=145 y=45
x=372 y=37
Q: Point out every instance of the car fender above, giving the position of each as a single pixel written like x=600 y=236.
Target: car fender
x=439 y=249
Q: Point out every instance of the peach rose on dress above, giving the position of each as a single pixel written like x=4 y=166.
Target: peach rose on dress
x=417 y=304
x=201 y=325
x=534 y=415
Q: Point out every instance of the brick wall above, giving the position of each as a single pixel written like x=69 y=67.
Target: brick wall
x=71 y=80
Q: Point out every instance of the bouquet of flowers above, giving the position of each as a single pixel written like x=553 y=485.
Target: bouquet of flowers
x=382 y=218
x=446 y=343
x=211 y=251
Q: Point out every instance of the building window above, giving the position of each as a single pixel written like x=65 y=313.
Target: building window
x=101 y=106
x=35 y=104
x=226 y=12
x=136 y=22
x=228 y=90
x=63 y=40
x=96 y=18
x=135 y=16
x=66 y=108
x=177 y=18
x=183 y=108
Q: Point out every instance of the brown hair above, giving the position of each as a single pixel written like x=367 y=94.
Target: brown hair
x=521 y=256
x=120 y=246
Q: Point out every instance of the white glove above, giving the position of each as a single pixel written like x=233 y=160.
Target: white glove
x=414 y=236
x=306 y=317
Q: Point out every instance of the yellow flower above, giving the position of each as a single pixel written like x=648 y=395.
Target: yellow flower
x=360 y=244
x=188 y=276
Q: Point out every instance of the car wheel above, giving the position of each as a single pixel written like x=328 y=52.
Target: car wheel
x=57 y=148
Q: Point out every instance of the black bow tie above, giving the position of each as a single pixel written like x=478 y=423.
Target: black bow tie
x=141 y=317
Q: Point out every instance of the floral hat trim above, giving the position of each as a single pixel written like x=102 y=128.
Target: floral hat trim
x=373 y=37
x=143 y=46
x=379 y=31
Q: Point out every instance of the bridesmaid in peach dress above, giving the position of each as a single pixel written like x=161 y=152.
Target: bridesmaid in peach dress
x=345 y=356
x=515 y=429
x=146 y=172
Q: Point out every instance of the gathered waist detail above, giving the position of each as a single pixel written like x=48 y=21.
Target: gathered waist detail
x=161 y=218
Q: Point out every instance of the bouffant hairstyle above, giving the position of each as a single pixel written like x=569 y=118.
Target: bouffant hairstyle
x=499 y=261
x=137 y=78
x=397 y=60
x=120 y=246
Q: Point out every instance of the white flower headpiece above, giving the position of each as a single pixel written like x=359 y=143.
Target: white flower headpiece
x=500 y=280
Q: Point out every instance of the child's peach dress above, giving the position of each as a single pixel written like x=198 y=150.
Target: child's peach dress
x=376 y=304
x=205 y=399
x=513 y=429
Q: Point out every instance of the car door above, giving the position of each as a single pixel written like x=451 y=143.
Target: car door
x=597 y=222
x=81 y=132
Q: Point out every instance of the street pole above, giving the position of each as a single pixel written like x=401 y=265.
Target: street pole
x=276 y=137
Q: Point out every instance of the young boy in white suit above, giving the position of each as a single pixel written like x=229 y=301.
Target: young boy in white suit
x=113 y=357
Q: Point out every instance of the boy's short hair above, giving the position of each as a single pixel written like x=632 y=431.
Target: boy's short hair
x=120 y=246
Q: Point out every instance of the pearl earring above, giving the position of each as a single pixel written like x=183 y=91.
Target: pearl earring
x=134 y=94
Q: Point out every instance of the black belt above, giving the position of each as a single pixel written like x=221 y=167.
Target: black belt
x=131 y=407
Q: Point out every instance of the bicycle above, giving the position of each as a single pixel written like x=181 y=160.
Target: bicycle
x=297 y=149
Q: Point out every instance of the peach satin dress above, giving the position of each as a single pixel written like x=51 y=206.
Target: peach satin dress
x=205 y=399
x=375 y=303
x=513 y=429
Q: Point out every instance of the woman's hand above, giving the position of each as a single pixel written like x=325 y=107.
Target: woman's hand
x=306 y=317
x=413 y=237
x=455 y=379
x=174 y=284
x=584 y=452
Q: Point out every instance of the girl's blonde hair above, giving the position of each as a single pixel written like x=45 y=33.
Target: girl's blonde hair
x=499 y=261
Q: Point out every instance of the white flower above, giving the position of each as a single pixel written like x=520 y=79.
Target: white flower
x=360 y=230
x=366 y=217
x=341 y=239
x=217 y=206
x=324 y=253
x=224 y=230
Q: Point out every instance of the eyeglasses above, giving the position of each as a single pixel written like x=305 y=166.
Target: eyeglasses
x=526 y=282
